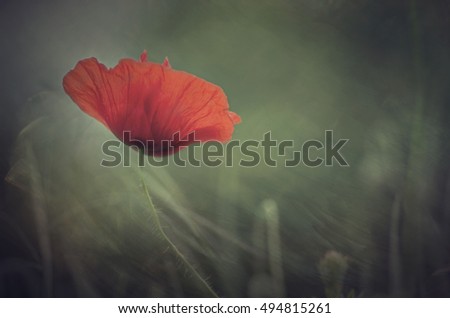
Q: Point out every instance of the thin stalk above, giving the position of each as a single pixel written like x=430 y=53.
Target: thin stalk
x=172 y=245
x=274 y=246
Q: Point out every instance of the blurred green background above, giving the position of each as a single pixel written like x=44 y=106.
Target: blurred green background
x=375 y=72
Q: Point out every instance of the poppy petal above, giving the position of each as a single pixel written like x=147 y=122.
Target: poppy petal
x=152 y=102
x=143 y=56
x=166 y=63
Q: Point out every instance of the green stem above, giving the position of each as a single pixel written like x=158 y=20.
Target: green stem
x=172 y=245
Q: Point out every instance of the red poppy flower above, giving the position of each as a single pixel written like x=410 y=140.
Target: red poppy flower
x=151 y=105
